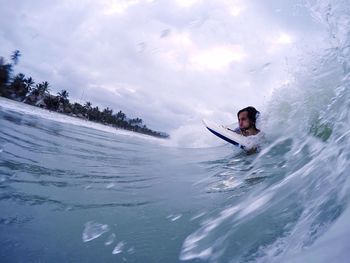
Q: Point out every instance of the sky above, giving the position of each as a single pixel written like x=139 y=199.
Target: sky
x=172 y=63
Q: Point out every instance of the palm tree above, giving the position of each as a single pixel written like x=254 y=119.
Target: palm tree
x=87 y=108
x=107 y=115
x=19 y=78
x=64 y=102
x=135 y=122
x=95 y=114
x=29 y=83
x=18 y=87
x=42 y=88
x=121 y=115
x=46 y=87
x=77 y=108
x=5 y=74
x=88 y=105
x=51 y=102
x=15 y=56
x=63 y=94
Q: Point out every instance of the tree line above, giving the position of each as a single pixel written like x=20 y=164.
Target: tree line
x=24 y=89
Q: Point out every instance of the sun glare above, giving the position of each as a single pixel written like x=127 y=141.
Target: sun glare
x=234 y=7
x=284 y=38
x=118 y=6
x=186 y=3
x=217 y=58
x=235 y=11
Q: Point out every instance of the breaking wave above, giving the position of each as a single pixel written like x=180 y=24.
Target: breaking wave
x=290 y=202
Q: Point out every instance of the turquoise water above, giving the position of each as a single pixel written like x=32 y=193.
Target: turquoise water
x=56 y=177
x=74 y=191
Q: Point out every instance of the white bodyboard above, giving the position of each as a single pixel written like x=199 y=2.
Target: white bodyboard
x=228 y=135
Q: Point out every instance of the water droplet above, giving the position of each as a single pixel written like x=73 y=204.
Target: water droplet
x=93 y=230
x=118 y=248
x=111 y=185
x=110 y=239
x=174 y=217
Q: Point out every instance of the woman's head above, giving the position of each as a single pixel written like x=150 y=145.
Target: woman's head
x=247 y=117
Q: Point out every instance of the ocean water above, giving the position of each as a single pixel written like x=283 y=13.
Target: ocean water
x=75 y=191
x=72 y=191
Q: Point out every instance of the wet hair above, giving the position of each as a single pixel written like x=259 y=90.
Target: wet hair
x=253 y=114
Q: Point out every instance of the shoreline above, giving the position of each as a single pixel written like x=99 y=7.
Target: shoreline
x=22 y=89
x=49 y=115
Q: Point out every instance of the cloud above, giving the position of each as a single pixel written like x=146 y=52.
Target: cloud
x=216 y=58
x=187 y=3
x=168 y=62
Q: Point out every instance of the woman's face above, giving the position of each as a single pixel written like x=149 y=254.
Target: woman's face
x=243 y=120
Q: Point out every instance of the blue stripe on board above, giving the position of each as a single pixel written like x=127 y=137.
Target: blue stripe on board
x=225 y=138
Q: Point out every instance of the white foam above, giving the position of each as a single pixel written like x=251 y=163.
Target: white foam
x=192 y=136
x=255 y=205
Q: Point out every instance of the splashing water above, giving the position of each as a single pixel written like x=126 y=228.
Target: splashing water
x=65 y=183
x=301 y=185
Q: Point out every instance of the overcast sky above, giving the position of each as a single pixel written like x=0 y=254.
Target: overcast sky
x=171 y=63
